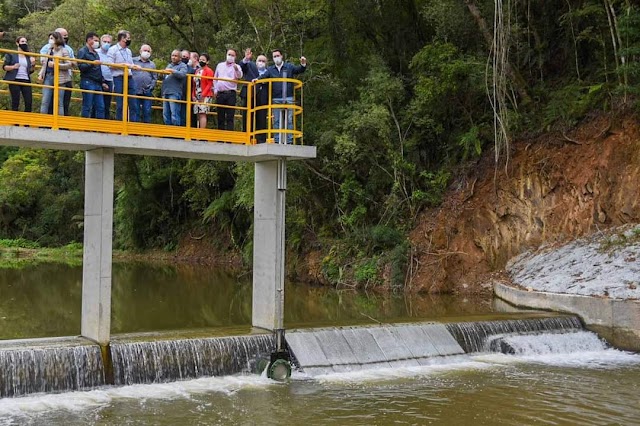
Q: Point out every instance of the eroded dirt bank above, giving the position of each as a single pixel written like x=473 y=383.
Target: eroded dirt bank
x=555 y=188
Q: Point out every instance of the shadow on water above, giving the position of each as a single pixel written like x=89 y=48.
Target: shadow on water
x=45 y=300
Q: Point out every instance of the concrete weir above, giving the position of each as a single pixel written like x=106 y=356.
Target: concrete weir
x=100 y=155
x=616 y=320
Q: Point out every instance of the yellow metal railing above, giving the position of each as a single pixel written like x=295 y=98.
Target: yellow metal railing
x=258 y=114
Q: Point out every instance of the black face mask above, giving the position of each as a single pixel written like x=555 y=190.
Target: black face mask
x=24 y=47
x=202 y=63
x=66 y=40
x=185 y=60
x=127 y=42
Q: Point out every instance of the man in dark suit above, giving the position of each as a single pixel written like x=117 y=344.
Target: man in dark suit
x=250 y=73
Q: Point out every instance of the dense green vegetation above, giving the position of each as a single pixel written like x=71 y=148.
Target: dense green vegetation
x=396 y=95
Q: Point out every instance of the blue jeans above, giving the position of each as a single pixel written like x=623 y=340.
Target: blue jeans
x=47 y=97
x=118 y=82
x=171 y=110
x=278 y=114
x=92 y=101
x=143 y=106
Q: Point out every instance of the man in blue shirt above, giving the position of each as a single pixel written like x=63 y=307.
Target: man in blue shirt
x=105 y=44
x=281 y=69
x=145 y=83
x=120 y=54
x=172 y=88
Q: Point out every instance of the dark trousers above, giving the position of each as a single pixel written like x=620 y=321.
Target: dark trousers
x=118 y=83
x=16 y=90
x=107 y=99
x=258 y=118
x=67 y=97
x=225 y=115
x=243 y=103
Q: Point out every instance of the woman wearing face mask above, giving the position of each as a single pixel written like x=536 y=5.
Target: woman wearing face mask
x=18 y=68
x=47 y=73
x=202 y=90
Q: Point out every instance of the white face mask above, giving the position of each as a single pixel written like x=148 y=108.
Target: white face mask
x=51 y=42
x=277 y=60
x=261 y=65
x=96 y=45
x=231 y=59
x=145 y=55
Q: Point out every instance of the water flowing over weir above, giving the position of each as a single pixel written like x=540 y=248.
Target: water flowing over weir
x=473 y=336
x=335 y=350
x=73 y=363
x=171 y=360
x=49 y=365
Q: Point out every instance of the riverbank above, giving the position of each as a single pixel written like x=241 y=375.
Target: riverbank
x=596 y=277
x=19 y=253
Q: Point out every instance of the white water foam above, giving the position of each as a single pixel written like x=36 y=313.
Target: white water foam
x=77 y=401
x=577 y=349
x=438 y=365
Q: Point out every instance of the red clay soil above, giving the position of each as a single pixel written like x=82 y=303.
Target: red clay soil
x=555 y=188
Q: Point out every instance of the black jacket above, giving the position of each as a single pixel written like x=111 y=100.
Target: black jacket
x=89 y=71
x=12 y=59
x=249 y=73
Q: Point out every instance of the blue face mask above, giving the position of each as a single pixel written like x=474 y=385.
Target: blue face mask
x=106 y=46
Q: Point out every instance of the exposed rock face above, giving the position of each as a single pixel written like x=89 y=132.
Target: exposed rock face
x=554 y=189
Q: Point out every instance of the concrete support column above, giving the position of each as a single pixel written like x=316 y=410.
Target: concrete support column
x=98 y=234
x=269 y=244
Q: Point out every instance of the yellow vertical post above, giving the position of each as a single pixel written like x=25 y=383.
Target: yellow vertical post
x=301 y=114
x=269 y=114
x=250 y=134
x=125 y=100
x=187 y=115
x=56 y=86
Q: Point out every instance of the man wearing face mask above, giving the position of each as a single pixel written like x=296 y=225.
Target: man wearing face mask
x=172 y=90
x=91 y=77
x=121 y=55
x=45 y=50
x=280 y=69
x=105 y=44
x=225 y=91
x=187 y=59
x=145 y=83
x=250 y=71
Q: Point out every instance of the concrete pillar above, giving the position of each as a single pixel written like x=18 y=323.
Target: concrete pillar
x=268 y=244
x=98 y=234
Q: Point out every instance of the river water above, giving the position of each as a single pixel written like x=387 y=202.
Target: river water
x=577 y=381
x=45 y=301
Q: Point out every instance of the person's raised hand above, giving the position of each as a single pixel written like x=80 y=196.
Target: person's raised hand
x=248 y=54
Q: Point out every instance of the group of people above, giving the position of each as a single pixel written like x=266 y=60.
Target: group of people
x=104 y=65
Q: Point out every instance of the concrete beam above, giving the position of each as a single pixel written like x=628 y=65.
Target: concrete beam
x=268 y=244
x=145 y=145
x=98 y=235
